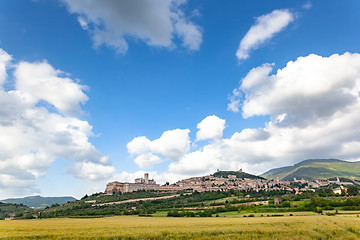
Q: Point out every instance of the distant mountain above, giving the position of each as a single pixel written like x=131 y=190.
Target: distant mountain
x=238 y=174
x=38 y=201
x=316 y=169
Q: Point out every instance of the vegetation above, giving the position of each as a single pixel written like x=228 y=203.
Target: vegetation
x=207 y=204
x=241 y=175
x=104 y=198
x=132 y=227
x=316 y=169
x=197 y=215
x=85 y=207
x=15 y=210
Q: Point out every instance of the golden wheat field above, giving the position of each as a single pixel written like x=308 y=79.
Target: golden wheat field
x=133 y=227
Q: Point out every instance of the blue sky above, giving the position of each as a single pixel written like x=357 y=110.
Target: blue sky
x=106 y=90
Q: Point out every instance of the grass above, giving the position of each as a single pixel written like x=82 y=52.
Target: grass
x=160 y=214
x=133 y=227
x=244 y=213
x=343 y=213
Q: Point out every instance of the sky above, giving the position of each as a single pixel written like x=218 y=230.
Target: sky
x=97 y=91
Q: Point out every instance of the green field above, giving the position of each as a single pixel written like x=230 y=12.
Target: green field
x=133 y=227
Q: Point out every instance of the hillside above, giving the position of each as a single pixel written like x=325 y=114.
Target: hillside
x=93 y=206
x=238 y=174
x=15 y=210
x=38 y=201
x=316 y=169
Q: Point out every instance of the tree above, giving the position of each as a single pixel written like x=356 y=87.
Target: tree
x=353 y=190
x=84 y=197
x=286 y=204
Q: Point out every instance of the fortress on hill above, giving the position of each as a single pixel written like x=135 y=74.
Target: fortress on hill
x=139 y=184
x=200 y=184
x=225 y=181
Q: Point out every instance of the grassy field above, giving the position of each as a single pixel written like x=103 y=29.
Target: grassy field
x=133 y=227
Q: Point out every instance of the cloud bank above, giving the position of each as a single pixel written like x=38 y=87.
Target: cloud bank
x=172 y=145
x=157 y=23
x=314 y=109
x=39 y=123
x=265 y=27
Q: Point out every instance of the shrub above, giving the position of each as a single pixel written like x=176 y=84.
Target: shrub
x=175 y=213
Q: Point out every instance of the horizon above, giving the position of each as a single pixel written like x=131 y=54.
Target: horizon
x=97 y=91
x=218 y=170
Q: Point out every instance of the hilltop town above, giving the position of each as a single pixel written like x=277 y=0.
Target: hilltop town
x=218 y=193
x=229 y=180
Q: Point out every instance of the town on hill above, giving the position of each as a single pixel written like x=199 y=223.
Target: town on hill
x=223 y=191
x=230 y=181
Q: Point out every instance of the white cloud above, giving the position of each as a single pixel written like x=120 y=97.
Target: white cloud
x=147 y=160
x=139 y=145
x=313 y=104
x=92 y=171
x=36 y=128
x=40 y=81
x=306 y=90
x=172 y=145
x=234 y=103
x=265 y=27
x=211 y=127
x=189 y=33
x=113 y=22
x=256 y=79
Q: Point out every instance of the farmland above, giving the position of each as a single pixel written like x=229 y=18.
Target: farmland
x=227 y=226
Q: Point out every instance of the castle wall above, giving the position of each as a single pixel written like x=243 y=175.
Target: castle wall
x=129 y=187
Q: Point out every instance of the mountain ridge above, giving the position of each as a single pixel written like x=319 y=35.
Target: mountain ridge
x=311 y=169
x=38 y=201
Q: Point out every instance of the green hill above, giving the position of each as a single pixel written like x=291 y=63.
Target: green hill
x=316 y=169
x=15 y=210
x=38 y=201
x=238 y=174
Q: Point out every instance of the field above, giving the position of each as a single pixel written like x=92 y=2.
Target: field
x=224 y=227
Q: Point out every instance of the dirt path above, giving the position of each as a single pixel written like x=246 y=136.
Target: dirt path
x=136 y=200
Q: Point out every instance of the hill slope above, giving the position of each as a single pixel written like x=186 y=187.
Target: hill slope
x=241 y=175
x=14 y=210
x=316 y=169
x=38 y=201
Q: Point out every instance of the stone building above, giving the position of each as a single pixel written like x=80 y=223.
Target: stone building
x=140 y=184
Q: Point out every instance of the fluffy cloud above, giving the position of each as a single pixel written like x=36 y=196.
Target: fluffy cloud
x=37 y=126
x=91 y=170
x=112 y=22
x=211 y=127
x=307 y=90
x=265 y=27
x=40 y=81
x=172 y=145
x=313 y=104
x=147 y=160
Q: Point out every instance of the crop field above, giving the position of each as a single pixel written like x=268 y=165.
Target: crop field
x=133 y=227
